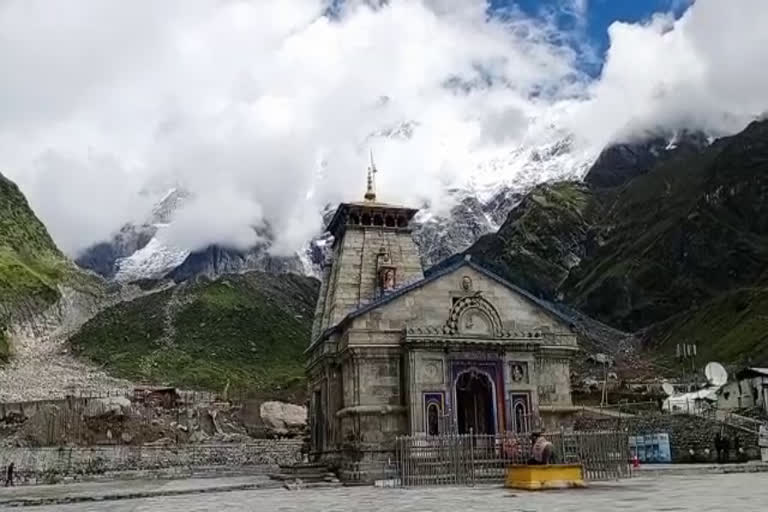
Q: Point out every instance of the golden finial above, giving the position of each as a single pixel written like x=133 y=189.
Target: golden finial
x=370 y=193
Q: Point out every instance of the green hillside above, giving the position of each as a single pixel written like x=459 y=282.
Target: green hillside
x=30 y=264
x=680 y=252
x=246 y=332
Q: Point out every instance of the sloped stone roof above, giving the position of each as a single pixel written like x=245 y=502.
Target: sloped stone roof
x=433 y=275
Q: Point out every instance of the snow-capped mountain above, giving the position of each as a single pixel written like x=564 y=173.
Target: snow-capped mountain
x=494 y=184
x=153 y=261
x=137 y=251
x=142 y=252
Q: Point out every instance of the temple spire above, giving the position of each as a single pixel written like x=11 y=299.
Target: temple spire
x=370 y=193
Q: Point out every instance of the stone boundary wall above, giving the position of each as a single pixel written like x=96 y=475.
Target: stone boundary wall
x=686 y=433
x=27 y=409
x=52 y=464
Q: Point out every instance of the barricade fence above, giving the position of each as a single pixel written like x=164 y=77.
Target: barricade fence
x=467 y=459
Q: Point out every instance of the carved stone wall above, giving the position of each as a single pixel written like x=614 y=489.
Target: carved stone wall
x=354 y=278
x=554 y=383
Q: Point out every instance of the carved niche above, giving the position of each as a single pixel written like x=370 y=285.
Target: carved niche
x=431 y=371
x=518 y=372
x=387 y=273
x=387 y=278
x=473 y=315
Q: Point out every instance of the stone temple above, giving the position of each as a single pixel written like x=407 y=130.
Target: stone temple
x=398 y=351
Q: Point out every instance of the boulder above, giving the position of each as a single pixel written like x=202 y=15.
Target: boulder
x=281 y=418
x=116 y=406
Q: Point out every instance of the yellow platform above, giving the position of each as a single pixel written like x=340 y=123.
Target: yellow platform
x=551 y=476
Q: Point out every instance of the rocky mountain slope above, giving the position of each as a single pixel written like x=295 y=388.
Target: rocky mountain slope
x=239 y=332
x=675 y=248
x=43 y=297
x=31 y=266
x=242 y=331
x=140 y=252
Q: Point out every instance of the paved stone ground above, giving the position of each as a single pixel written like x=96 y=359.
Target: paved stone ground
x=701 y=493
x=128 y=489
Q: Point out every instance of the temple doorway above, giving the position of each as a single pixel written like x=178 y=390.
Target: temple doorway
x=474 y=404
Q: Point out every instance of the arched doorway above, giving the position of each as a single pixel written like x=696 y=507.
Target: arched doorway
x=474 y=404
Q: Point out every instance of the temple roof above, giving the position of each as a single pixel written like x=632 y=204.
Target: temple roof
x=433 y=276
x=338 y=221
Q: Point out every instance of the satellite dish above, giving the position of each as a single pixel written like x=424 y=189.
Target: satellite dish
x=716 y=374
x=668 y=388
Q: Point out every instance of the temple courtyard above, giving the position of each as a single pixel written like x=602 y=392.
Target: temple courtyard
x=699 y=492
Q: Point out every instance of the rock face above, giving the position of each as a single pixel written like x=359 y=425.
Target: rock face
x=102 y=258
x=680 y=251
x=441 y=237
x=620 y=163
x=282 y=419
x=135 y=251
x=215 y=261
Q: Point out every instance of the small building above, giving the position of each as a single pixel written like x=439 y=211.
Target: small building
x=397 y=351
x=749 y=389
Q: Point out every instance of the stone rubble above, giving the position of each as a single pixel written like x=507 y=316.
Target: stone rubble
x=42 y=368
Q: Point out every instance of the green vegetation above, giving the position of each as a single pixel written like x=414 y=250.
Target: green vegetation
x=247 y=332
x=542 y=238
x=30 y=264
x=732 y=328
x=679 y=252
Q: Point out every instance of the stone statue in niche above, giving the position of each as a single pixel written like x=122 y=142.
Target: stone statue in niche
x=518 y=372
x=466 y=283
x=388 y=279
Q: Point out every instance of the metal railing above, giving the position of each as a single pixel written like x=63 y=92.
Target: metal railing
x=467 y=459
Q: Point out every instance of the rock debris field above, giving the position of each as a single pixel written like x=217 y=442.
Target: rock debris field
x=42 y=368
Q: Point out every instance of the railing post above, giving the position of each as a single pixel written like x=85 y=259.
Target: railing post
x=472 y=455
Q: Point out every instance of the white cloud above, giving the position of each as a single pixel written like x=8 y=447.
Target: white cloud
x=703 y=71
x=264 y=109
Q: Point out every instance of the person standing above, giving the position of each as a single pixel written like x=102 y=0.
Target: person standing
x=9 y=475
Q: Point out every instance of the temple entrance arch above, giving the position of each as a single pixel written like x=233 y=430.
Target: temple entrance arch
x=475 y=399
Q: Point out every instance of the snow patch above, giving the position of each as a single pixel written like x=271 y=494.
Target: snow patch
x=153 y=261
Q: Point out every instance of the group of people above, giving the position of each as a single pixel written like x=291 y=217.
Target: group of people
x=723 y=446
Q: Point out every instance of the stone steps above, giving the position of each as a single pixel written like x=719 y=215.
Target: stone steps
x=301 y=475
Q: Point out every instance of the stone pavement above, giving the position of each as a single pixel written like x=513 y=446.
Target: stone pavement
x=127 y=489
x=702 y=493
x=699 y=469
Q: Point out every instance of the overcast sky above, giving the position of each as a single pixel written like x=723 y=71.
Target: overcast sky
x=266 y=109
